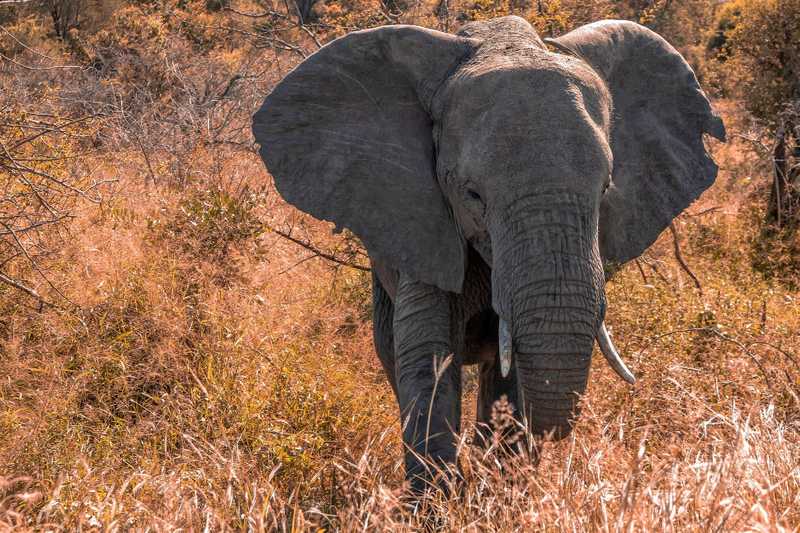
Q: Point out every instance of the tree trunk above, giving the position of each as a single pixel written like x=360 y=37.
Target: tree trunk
x=65 y=15
x=784 y=202
x=304 y=10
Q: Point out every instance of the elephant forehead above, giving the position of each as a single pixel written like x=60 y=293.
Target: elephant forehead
x=527 y=82
x=502 y=31
x=519 y=115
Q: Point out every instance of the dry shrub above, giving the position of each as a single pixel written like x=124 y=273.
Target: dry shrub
x=776 y=252
x=164 y=361
x=178 y=401
x=46 y=159
x=350 y=14
x=208 y=224
x=755 y=46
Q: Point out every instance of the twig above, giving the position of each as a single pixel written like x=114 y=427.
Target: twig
x=28 y=67
x=317 y=252
x=229 y=86
x=25 y=46
x=27 y=290
x=17 y=285
x=256 y=15
x=656 y=270
x=705 y=211
x=786 y=354
x=311 y=34
x=36 y=225
x=779 y=168
x=33 y=263
x=679 y=257
x=51 y=129
x=641 y=271
x=297 y=264
x=146 y=160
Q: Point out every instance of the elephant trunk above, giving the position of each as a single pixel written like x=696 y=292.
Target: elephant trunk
x=548 y=291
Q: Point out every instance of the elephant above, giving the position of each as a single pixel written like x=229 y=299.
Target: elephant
x=497 y=181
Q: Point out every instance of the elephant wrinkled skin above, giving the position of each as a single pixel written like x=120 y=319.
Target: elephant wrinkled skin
x=496 y=183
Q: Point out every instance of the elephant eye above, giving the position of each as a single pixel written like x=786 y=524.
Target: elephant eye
x=474 y=195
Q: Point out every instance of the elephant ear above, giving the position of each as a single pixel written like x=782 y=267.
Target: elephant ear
x=347 y=137
x=660 y=115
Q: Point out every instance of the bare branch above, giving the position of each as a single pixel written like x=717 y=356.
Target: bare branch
x=37 y=225
x=19 y=286
x=33 y=263
x=28 y=67
x=317 y=252
x=679 y=257
x=11 y=282
x=704 y=211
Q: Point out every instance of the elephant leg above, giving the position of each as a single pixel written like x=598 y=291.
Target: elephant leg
x=428 y=379
x=382 y=329
x=492 y=387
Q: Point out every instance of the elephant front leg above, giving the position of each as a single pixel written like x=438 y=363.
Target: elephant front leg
x=383 y=329
x=428 y=379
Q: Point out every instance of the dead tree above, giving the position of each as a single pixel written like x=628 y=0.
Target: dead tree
x=65 y=14
x=304 y=10
x=783 y=209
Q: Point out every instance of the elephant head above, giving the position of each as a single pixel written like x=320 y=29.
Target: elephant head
x=556 y=166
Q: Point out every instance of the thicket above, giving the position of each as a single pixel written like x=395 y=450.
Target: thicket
x=754 y=57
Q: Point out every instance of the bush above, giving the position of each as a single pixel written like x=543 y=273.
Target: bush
x=207 y=223
x=755 y=47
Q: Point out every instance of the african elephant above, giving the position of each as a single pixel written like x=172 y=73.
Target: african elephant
x=496 y=185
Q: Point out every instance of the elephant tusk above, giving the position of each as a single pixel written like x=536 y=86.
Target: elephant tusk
x=612 y=356
x=504 y=341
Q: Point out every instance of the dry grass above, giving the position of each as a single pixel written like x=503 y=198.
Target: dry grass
x=217 y=378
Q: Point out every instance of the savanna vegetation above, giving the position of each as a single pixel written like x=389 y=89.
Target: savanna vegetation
x=179 y=348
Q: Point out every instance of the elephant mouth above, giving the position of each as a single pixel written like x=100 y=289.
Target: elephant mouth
x=484 y=345
x=505 y=351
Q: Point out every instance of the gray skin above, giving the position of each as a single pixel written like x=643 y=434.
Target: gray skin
x=490 y=178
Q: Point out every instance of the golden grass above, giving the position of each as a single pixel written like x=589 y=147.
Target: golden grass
x=218 y=379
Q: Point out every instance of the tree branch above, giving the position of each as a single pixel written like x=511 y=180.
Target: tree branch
x=679 y=257
x=317 y=252
x=27 y=290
